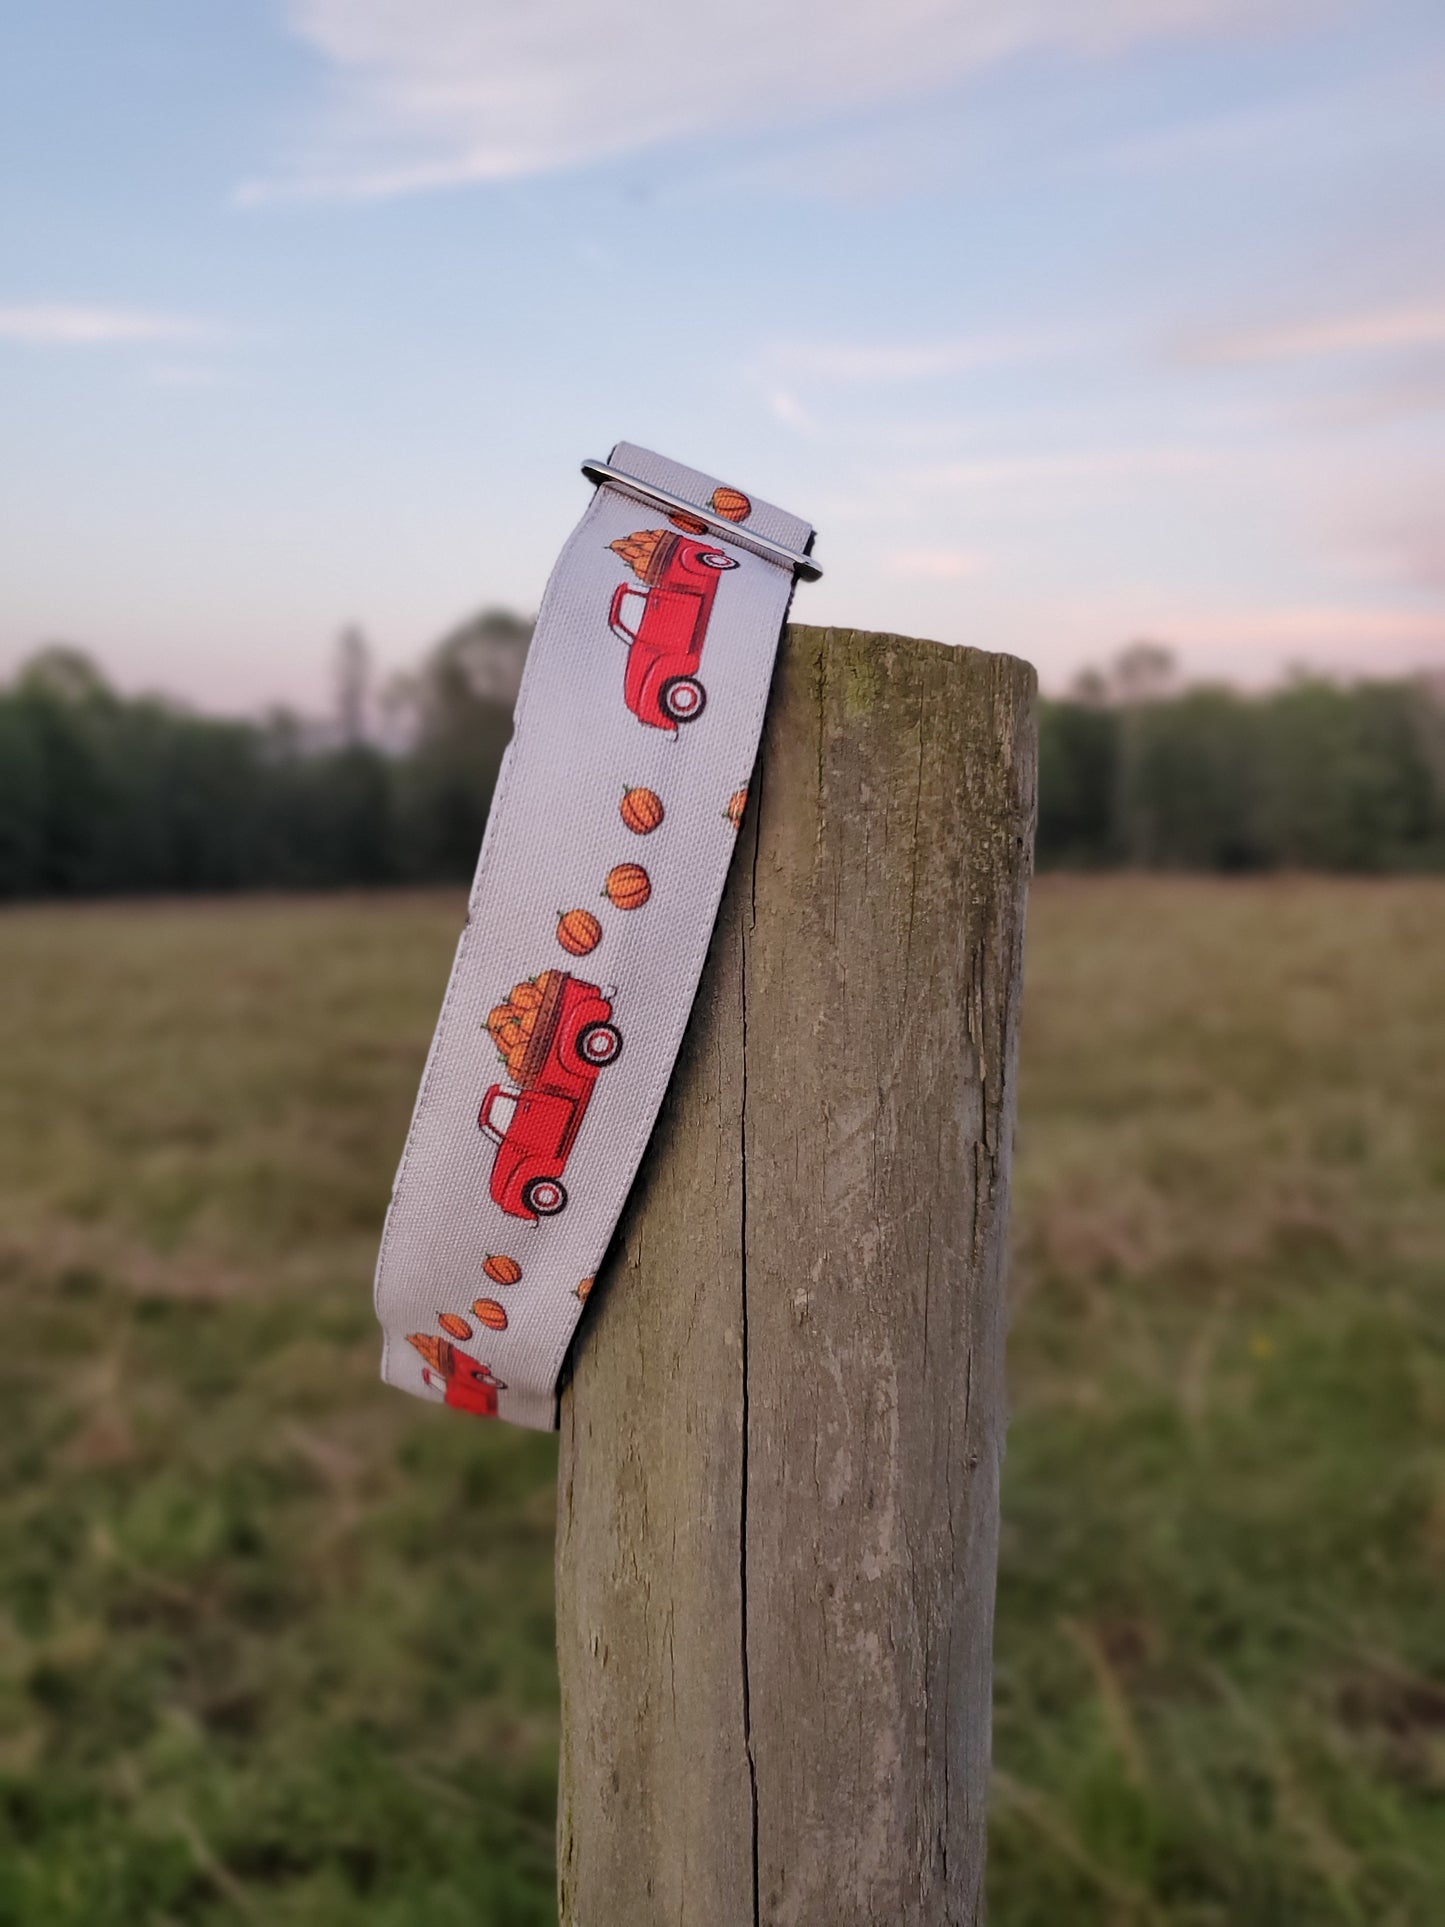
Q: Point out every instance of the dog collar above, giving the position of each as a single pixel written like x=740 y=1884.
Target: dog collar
x=615 y=816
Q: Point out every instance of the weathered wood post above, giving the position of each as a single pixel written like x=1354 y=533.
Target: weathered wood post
x=780 y=1449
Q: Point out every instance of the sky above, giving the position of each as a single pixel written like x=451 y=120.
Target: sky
x=1066 y=325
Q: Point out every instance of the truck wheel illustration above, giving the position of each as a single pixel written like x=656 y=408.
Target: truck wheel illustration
x=545 y=1196
x=600 y=1044
x=664 y=622
x=534 y=1118
x=682 y=698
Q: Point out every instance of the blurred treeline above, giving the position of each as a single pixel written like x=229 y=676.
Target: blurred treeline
x=102 y=793
x=1137 y=771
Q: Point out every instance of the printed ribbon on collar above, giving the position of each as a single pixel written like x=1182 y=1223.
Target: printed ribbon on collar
x=615 y=816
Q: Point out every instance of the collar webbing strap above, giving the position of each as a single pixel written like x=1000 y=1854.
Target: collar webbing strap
x=615 y=816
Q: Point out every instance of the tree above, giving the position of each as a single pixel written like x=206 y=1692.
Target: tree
x=461 y=721
x=101 y=792
x=353 y=686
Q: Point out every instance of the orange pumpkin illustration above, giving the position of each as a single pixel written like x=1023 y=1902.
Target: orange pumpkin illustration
x=433 y=1350
x=508 y=1034
x=737 y=803
x=628 y=886
x=640 y=550
x=731 y=504
x=500 y=1015
x=689 y=524
x=641 y=811
x=578 y=931
x=491 y=1314
x=526 y=997
x=453 y=1326
x=585 y=1288
x=502 y=1270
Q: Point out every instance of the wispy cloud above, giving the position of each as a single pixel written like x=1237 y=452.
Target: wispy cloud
x=52 y=324
x=1207 y=138
x=1406 y=550
x=937 y=565
x=787 y=409
x=1285 y=130
x=1250 y=643
x=1041 y=483
x=172 y=374
x=438 y=93
x=1086 y=468
x=1385 y=639
x=860 y=362
x=1369 y=331
x=1423 y=555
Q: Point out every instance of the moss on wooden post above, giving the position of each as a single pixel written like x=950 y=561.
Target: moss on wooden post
x=780 y=1448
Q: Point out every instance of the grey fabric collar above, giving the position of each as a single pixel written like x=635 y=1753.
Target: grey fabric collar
x=614 y=819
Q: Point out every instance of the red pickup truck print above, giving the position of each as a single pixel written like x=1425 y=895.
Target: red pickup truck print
x=535 y=1125
x=665 y=637
x=469 y=1385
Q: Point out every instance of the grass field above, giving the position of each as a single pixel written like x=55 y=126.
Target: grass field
x=275 y=1644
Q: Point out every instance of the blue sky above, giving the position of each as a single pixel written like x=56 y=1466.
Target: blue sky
x=1066 y=325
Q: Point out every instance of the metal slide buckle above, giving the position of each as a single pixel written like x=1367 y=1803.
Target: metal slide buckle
x=718 y=525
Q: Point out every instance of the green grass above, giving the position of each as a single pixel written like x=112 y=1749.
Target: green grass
x=276 y=1645
x=1220 y=1694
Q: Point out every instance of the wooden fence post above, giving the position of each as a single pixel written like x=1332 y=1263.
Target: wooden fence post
x=780 y=1446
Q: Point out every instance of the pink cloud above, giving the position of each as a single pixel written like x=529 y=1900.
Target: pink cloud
x=1372 y=331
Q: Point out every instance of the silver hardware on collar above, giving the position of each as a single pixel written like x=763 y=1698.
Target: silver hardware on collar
x=803 y=565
